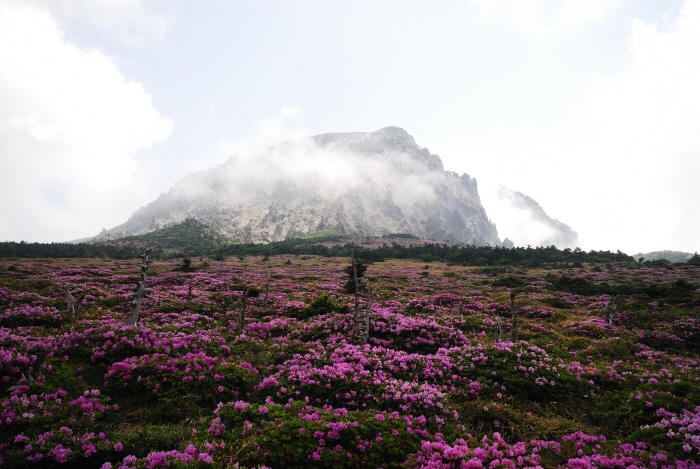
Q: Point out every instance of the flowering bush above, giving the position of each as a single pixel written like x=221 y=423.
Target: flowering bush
x=186 y=387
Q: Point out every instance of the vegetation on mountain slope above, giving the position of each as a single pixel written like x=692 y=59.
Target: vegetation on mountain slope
x=593 y=381
x=193 y=239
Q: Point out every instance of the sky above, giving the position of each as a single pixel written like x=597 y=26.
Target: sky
x=591 y=108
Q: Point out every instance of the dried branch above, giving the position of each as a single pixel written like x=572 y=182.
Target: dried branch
x=140 y=290
x=267 y=290
x=70 y=310
x=365 y=333
x=513 y=317
x=499 y=330
x=73 y=308
x=356 y=315
x=31 y=372
x=241 y=319
x=79 y=303
x=609 y=309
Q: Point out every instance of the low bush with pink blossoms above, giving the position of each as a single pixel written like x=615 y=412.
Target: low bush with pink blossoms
x=432 y=388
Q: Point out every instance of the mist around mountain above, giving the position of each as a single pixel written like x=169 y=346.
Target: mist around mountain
x=366 y=184
x=523 y=222
x=352 y=184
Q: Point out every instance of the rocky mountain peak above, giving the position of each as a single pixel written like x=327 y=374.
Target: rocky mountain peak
x=389 y=140
x=355 y=183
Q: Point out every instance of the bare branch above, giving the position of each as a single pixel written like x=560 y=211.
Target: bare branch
x=513 y=317
x=499 y=330
x=609 y=310
x=267 y=290
x=140 y=290
x=70 y=310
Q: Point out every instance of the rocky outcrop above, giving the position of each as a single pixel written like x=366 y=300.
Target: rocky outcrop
x=531 y=225
x=359 y=184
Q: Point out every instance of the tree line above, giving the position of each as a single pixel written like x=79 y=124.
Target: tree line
x=457 y=254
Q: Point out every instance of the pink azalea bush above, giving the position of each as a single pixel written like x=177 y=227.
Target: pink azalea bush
x=186 y=387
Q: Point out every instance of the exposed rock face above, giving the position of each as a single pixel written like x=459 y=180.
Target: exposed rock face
x=531 y=225
x=360 y=184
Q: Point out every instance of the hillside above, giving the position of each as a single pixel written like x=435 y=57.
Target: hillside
x=189 y=238
x=584 y=383
x=671 y=256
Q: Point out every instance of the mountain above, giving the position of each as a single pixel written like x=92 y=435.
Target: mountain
x=671 y=256
x=524 y=222
x=353 y=184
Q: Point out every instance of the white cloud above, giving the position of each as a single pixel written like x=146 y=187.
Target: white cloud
x=623 y=171
x=521 y=222
x=273 y=129
x=268 y=131
x=546 y=17
x=639 y=137
x=129 y=22
x=71 y=127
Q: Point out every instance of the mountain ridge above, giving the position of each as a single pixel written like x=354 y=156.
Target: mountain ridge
x=358 y=184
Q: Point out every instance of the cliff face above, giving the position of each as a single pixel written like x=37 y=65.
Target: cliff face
x=361 y=184
x=529 y=224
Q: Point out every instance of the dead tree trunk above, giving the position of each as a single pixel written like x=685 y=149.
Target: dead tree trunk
x=369 y=308
x=513 y=318
x=609 y=309
x=73 y=308
x=499 y=330
x=189 y=290
x=360 y=331
x=356 y=317
x=140 y=290
x=31 y=372
x=70 y=310
x=267 y=290
x=241 y=319
x=460 y=308
x=79 y=304
x=363 y=322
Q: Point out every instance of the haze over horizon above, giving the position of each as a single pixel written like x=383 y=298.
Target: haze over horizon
x=590 y=108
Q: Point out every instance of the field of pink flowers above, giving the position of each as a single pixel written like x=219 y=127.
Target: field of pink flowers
x=186 y=387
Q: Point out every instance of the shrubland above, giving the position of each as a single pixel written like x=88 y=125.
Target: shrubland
x=590 y=383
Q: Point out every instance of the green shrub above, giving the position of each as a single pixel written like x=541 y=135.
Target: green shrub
x=508 y=281
x=298 y=435
x=322 y=304
x=253 y=292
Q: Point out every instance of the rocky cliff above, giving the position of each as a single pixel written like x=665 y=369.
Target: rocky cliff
x=525 y=222
x=360 y=184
